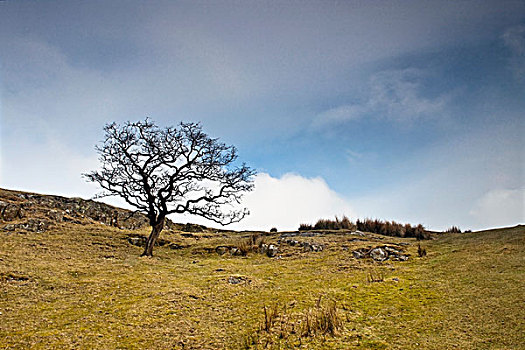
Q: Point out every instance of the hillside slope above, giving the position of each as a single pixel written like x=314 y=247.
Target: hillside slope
x=81 y=284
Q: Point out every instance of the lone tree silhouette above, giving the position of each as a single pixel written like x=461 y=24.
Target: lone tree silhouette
x=162 y=171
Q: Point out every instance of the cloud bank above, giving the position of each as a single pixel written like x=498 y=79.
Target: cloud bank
x=285 y=202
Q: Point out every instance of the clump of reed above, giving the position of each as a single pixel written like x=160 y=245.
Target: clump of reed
x=327 y=224
x=280 y=325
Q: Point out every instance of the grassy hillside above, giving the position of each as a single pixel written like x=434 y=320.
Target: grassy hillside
x=84 y=286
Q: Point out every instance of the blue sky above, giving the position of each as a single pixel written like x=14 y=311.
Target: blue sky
x=404 y=110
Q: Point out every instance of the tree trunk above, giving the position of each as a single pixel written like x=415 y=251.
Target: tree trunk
x=155 y=232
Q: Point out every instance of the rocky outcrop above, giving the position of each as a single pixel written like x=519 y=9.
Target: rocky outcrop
x=381 y=253
x=36 y=213
x=307 y=246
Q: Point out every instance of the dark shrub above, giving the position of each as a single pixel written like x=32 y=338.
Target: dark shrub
x=453 y=229
x=392 y=228
x=327 y=224
x=305 y=227
x=273 y=229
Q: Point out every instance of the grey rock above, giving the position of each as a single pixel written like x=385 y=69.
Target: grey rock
x=292 y=242
x=12 y=212
x=237 y=279
x=55 y=215
x=401 y=257
x=317 y=247
x=235 y=251
x=309 y=234
x=175 y=246
x=272 y=251
x=378 y=254
x=221 y=250
x=138 y=241
x=391 y=251
x=263 y=248
x=9 y=227
x=35 y=225
x=358 y=254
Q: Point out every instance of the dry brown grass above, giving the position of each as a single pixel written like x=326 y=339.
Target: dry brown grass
x=85 y=287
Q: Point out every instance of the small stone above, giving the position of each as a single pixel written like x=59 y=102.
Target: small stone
x=9 y=227
x=235 y=251
x=358 y=254
x=237 y=279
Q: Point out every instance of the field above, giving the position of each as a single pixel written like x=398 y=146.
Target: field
x=84 y=286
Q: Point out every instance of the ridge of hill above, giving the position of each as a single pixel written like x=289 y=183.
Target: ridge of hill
x=33 y=212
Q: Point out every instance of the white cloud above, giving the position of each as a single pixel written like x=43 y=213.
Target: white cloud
x=501 y=207
x=392 y=94
x=49 y=168
x=285 y=203
x=474 y=182
x=341 y=114
x=397 y=95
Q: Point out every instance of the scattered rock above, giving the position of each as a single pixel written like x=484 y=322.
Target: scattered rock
x=358 y=254
x=237 y=279
x=193 y=228
x=235 y=251
x=175 y=246
x=309 y=234
x=306 y=245
x=312 y=247
x=35 y=225
x=9 y=227
x=400 y=257
x=263 y=248
x=55 y=215
x=222 y=249
x=380 y=253
x=13 y=277
x=12 y=212
x=272 y=251
x=391 y=251
x=139 y=241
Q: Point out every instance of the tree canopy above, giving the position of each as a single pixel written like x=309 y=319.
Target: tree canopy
x=171 y=170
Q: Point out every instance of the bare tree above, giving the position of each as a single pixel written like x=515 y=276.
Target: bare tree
x=171 y=170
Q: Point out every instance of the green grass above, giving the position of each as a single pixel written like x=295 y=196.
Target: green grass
x=86 y=287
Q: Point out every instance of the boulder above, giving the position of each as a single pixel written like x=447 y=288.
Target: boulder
x=378 y=254
x=272 y=251
x=12 y=212
x=222 y=249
